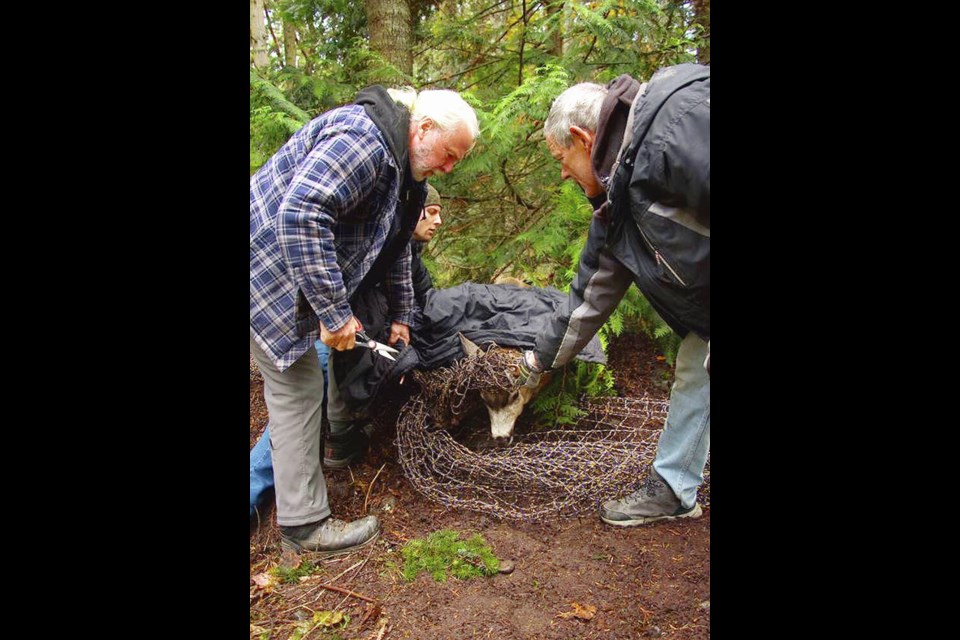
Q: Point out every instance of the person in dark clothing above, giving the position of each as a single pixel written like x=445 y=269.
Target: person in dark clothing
x=331 y=215
x=261 y=464
x=361 y=372
x=426 y=228
x=641 y=153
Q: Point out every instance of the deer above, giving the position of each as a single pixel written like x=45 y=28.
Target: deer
x=503 y=405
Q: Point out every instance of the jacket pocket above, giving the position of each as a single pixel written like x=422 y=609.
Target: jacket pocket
x=679 y=244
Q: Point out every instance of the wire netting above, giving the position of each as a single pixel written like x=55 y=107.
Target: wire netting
x=561 y=470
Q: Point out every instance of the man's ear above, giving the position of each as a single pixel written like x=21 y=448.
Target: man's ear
x=584 y=136
x=423 y=126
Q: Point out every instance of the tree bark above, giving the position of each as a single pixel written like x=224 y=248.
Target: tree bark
x=555 y=8
x=701 y=12
x=391 y=36
x=289 y=44
x=258 y=35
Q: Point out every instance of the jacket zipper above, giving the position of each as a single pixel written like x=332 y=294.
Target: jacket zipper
x=660 y=259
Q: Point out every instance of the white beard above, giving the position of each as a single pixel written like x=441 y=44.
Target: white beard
x=418 y=161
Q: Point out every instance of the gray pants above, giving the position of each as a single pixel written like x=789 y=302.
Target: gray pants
x=294 y=399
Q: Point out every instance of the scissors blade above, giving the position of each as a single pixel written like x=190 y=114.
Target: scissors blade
x=385 y=354
x=379 y=347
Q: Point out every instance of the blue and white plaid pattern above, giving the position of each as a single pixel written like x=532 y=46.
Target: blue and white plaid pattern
x=321 y=209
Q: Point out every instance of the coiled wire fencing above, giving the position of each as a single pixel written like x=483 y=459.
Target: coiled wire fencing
x=561 y=471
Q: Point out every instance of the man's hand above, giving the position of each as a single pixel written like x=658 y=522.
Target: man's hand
x=399 y=331
x=343 y=338
x=530 y=370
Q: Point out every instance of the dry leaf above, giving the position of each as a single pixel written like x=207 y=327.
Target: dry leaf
x=313 y=578
x=582 y=611
x=289 y=559
x=265 y=581
x=327 y=618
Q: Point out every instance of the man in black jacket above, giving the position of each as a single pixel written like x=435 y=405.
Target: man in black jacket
x=363 y=370
x=641 y=153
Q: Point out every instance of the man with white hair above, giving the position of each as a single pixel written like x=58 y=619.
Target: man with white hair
x=641 y=154
x=331 y=214
x=345 y=447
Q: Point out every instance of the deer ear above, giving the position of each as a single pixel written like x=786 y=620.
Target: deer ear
x=469 y=347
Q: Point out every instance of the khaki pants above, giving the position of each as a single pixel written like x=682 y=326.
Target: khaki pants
x=294 y=399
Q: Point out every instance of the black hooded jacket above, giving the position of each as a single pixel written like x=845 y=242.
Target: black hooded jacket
x=652 y=227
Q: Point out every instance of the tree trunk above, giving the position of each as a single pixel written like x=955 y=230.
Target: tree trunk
x=701 y=12
x=258 y=35
x=289 y=44
x=555 y=8
x=391 y=37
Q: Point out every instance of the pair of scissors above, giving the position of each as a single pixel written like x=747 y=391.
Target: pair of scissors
x=378 y=347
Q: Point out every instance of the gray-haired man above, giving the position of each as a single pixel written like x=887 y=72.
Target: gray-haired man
x=331 y=213
x=641 y=153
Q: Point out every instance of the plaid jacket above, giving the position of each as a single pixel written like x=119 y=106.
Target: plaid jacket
x=321 y=209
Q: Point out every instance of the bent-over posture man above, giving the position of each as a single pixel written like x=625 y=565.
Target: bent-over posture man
x=336 y=205
x=261 y=465
x=641 y=153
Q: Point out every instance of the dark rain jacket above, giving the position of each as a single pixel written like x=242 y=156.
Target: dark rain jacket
x=652 y=227
x=507 y=315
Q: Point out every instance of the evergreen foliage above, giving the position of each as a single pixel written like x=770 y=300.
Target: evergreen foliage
x=506 y=211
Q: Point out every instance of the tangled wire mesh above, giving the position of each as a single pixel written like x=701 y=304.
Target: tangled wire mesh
x=560 y=471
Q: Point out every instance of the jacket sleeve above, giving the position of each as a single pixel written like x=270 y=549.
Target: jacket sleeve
x=400 y=289
x=422 y=282
x=596 y=290
x=338 y=174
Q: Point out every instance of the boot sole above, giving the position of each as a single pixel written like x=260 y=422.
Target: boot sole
x=696 y=512
x=286 y=545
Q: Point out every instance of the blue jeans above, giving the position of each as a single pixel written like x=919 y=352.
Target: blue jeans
x=261 y=463
x=685 y=440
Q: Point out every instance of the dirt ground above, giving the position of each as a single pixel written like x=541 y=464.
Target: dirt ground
x=644 y=582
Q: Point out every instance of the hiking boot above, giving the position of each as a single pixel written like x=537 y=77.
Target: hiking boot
x=330 y=537
x=654 y=501
x=345 y=447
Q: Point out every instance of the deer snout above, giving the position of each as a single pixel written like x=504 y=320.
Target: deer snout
x=504 y=441
x=502 y=420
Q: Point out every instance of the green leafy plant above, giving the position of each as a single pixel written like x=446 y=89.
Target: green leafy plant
x=559 y=402
x=288 y=574
x=443 y=553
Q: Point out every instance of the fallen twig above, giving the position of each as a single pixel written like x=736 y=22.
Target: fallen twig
x=335 y=578
x=380 y=633
x=330 y=587
x=371 y=486
x=646 y=614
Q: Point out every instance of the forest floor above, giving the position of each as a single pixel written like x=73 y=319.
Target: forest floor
x=637 y=582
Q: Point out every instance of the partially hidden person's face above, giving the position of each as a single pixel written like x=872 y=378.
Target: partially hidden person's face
x=435 y=151
x=575 y=162
x=430 y=221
